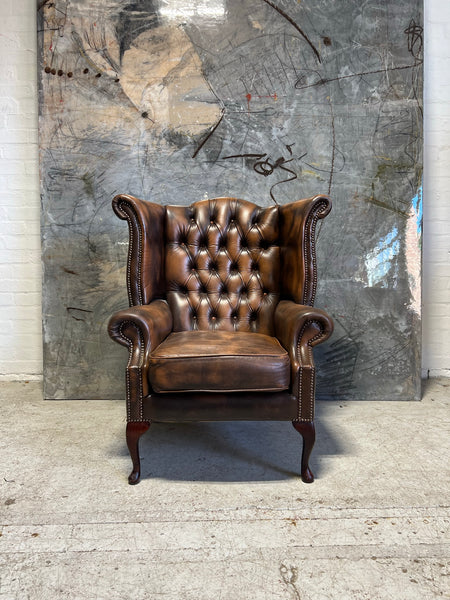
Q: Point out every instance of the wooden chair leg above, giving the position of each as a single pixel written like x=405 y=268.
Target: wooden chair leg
x=308 y=432
x=134 y=432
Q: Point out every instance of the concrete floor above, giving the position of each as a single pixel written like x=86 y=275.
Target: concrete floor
x=220 y=513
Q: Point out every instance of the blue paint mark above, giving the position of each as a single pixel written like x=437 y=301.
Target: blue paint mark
x=417 y=204
x=379 y=261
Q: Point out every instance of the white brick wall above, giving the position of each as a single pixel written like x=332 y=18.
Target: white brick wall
x=20 y=266
x=20 y=270
x=436 y=244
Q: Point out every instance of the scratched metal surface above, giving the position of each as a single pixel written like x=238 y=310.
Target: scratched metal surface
x=269 y=101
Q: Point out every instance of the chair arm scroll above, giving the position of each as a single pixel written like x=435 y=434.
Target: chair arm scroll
x=141 y=329
x=299 y=328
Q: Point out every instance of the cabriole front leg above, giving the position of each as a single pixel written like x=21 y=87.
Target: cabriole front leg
x=134 y=432
x=308 y=432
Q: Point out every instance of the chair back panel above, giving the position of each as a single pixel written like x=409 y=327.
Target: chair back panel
x=222 y=265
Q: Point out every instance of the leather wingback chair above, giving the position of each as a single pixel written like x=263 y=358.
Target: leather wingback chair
x=220 y=325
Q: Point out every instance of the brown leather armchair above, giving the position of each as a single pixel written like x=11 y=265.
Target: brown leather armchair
x=220 y=325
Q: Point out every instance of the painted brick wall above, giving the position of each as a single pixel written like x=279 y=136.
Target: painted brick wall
x=20 y=269
x=436 y=245
x=20 y=266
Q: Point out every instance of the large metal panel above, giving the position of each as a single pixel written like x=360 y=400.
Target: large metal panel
x=271 y=101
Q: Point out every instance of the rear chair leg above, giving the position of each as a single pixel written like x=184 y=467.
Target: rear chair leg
x=134 y=432
x=308 y=432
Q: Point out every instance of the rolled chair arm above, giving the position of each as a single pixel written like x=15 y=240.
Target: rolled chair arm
x=141 y=329
x=152 y=321
x=299 y=328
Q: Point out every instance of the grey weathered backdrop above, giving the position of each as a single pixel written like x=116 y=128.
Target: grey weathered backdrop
x=270 y=101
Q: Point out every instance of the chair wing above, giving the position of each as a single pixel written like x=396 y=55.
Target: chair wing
x=298 y=222
x=145 y=268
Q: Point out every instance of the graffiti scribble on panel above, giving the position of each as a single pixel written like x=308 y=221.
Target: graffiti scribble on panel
x=265 y=100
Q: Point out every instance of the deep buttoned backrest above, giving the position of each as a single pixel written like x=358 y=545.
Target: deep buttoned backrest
x=222 y=265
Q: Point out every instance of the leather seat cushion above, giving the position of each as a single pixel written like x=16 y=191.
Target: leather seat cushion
x=219 y=361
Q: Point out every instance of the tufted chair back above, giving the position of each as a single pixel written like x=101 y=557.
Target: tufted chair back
x=222 y=263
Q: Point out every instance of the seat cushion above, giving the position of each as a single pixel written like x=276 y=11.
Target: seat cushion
x=219 y=361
